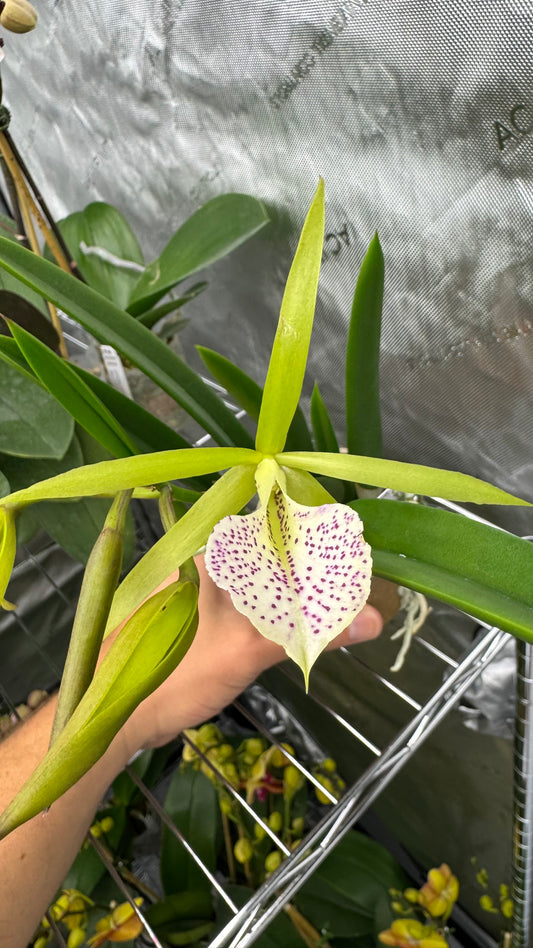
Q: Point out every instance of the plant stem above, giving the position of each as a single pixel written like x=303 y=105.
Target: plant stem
x=72 y=265
x=98 y=588
x=312 y=937
x=27 y=205
x=229 y=848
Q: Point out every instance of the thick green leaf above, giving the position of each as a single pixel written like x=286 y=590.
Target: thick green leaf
x=148 y=648
x=149 y=432
x=4 y=485
x=73 y=394
x=25 y=314
x=108 y=477
x=8 y=230
x=248 y=395
x=192 y=804
x=10 y=353
x=357 y=874
x=32 y=424
x=363 y=414
x=183 y=918
x=411 y=478
x=323 y=430
x=152 y=316
x=482 y=570
x=103 y=227
x=109 y=324
x=291 y=344
x=228 y=495
x=213 y=231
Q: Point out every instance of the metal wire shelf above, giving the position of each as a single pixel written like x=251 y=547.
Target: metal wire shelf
x=457 y=675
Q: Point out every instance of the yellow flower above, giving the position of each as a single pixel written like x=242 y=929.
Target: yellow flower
x=408 y=933
x=122 y=924
x=440 y=892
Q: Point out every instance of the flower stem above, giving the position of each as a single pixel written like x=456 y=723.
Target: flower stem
x=98 y=588
x=309 y=934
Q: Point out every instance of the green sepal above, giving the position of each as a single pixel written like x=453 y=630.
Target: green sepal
x=410 y=478
x=288 y=360
x=107 y=478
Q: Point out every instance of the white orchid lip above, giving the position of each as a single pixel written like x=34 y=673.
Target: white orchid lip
x=300 y=574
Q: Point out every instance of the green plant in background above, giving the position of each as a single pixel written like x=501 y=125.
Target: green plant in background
x=482 y=570
x=348 y=899
x=39 y=433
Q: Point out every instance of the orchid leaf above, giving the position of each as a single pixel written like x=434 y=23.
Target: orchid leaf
x=148 y=648
x=286 y=370
x=25 y=314
x=62 y=382
x=299 y=574
x=484 y=571
x=213 y=231
x=146 y=430
x=248 y=395
x=411 y=478
x=109 y=324
x=105 y=233
x=323 y=430
x=363 y=414
x=107 y=478
x=32 y=424
x=227 y=495
x=11 y=354
x=152 y=316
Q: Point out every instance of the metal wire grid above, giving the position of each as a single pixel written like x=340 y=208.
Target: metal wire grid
x=248 y=922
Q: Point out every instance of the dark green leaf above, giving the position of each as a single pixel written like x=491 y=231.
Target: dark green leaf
x=73 y=394
x=102 y=226
x=363 y=416
x=149 y=432
x=213 y=231
x=480 y=569
x=248 y=395
x=358 y=874
x=323 y=430
x=152 y=316
x=183 y=918
x=25 y=314
x=32 y=424
x=192 y=804
x=4 y=485
x=10 y=353
x=111 y=325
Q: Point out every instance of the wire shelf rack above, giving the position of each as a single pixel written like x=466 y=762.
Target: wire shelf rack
x=456 y=675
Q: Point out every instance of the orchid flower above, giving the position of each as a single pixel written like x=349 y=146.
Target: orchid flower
x=300 y=574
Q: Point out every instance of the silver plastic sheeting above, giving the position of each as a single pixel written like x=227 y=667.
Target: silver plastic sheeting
x=420 y=118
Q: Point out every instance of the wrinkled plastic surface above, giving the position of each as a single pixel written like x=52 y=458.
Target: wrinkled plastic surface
x=420 y=118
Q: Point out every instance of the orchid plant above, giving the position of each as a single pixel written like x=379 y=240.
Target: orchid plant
x=297 y=565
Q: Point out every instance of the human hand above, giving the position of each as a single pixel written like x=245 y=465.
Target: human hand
x=227 y=654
